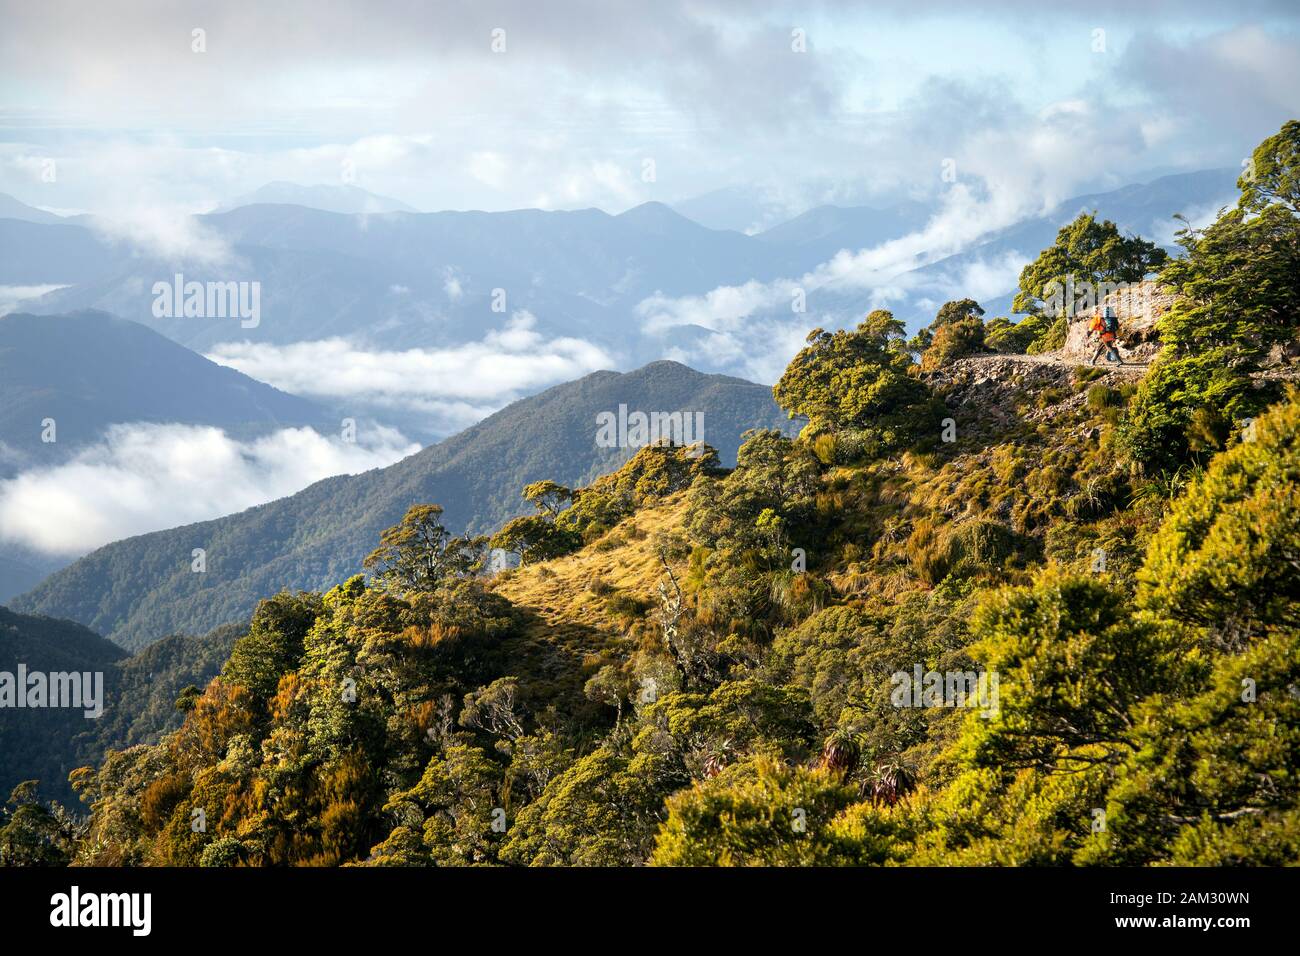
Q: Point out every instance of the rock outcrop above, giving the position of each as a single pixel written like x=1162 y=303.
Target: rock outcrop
x=991 y=394
x=1139 y=306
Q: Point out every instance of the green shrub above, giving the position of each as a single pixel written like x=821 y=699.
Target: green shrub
x=1007 y=337
x=1184 y=408
x=953 y=341
x=1101 y=397
x=858 y=381
x=1226 y=555
x=1051 y=338
x=965 y=549
x=627 y=607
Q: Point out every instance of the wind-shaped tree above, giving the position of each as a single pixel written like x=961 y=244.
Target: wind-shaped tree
x=858 y=381
x=419 y=553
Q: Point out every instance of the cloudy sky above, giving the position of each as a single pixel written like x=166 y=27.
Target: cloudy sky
x=409 y=99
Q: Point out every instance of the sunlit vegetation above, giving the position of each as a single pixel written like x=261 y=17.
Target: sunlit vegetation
x=698 y=666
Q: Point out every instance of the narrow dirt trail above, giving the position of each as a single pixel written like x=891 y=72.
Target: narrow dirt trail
x=1285 y=373
x=1054 y=360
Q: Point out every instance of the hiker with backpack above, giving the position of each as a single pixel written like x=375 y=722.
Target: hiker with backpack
x=1106 y=325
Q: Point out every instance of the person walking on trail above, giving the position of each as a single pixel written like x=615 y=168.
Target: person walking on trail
x=1106 y=326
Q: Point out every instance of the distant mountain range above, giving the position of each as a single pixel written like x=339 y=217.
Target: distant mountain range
x=11 y=208
x=137 y=590
x=403 y=280
x=386 y=280
x=823 y=231
x=342 y=198
x=89 y=370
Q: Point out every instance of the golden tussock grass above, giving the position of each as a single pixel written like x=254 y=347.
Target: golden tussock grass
x=570 y=596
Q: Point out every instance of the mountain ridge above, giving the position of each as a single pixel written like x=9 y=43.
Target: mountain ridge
x=342 y=198
x=138 y=589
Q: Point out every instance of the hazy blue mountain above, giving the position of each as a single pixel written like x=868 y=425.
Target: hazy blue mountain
x=330 y=198
x=386 y=279
x=822 y=232
x=586 y=252
x=742 y=208
x=22 y=568
x=54 y=254
x=11 y=208
x=137 y=590
x=89 y=370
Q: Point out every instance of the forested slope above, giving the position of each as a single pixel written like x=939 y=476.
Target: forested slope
x=140 y=589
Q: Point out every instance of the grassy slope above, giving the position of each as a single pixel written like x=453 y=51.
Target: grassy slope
x=570 y=629
x=1023 y=443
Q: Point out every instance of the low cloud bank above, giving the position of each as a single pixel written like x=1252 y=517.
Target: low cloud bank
x=459 y=384
x=147 y=477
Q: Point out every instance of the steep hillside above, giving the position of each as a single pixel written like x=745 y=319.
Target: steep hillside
x=677 y=690
x=138 y=702
x=581 y=606
x=140 y=589
x=46 y=743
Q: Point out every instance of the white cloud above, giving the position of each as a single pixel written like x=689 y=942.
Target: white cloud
x=756 y=331
x=505 y=363
x=985 y=278
x=145 y=477
x=881 y=272
x=165 y=232
x=489 y=167
x=11 y=296
x=710 y=90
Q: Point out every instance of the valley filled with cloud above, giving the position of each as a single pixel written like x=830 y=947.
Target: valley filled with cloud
x=147 y=477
